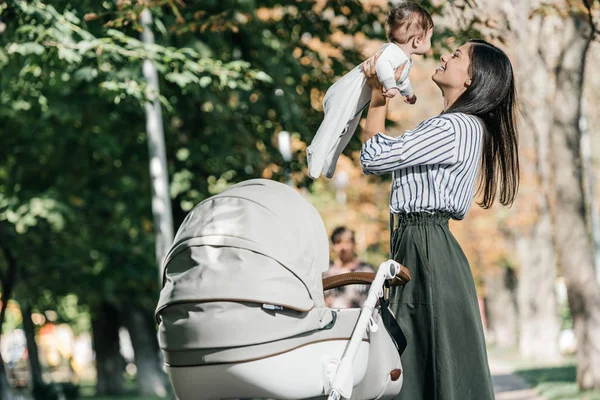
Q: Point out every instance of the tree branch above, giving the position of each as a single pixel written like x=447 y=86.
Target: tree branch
x=589 y=4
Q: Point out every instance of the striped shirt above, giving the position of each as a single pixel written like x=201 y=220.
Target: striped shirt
x=434 y=166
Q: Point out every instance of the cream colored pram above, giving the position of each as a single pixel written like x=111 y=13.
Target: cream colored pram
x=242 y=315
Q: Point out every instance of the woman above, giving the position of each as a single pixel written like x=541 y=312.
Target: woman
x=434 y=171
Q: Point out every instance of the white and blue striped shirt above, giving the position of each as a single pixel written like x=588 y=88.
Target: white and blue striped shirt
x=434 y=166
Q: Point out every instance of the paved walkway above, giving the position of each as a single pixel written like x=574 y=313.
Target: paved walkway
x=509 y=386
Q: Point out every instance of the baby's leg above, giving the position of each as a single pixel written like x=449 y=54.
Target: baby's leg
x=340 y=106
x=332 y=158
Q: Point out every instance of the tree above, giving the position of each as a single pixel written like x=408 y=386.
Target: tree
x=560 y=34
x=161 y=200
x=8 y=280
x=574 y=243
x=32 y=349
x=534 y=239
x=109 y=362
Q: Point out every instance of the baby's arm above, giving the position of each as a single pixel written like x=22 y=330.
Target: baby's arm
x=390 y=59
x=385 y=68
x=405 y=87
x=406 y=90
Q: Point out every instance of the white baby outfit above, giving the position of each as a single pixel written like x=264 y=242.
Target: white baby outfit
x=343 y=105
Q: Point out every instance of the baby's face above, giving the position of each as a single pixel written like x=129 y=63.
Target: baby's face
x=425 y=44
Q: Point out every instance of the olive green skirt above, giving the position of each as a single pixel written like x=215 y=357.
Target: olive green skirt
x=438 y=311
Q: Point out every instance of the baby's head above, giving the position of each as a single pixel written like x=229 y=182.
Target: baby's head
x=409 y=23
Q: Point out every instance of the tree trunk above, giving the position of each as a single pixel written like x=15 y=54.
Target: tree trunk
x=573 y=239
x=501 y=306
x=538 y=311
x=5 y=393
x=161 y=200
x=539 y=322
x=150 y=377
x=590 y=198
x=8 y=282
x=32 y=349
x=109 y=362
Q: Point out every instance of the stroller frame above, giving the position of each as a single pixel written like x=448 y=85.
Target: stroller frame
x=342 y=381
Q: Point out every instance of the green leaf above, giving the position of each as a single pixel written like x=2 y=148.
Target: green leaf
x=182 y=79
x=26 y=48
x=205 y=81
x=263 y=77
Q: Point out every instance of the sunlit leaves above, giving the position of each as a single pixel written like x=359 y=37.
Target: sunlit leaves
x=27 y=215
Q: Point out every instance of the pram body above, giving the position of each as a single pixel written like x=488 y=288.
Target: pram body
x=242 y=314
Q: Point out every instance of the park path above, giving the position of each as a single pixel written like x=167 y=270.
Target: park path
x=508 y=385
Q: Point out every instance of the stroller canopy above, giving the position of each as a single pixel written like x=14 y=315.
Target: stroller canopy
x=258 y=241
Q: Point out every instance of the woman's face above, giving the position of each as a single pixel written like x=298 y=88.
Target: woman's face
x=454 y=70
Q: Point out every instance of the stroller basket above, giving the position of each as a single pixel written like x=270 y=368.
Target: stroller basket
x=242 y=314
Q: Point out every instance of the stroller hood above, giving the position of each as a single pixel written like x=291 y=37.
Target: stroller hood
x=258 y=241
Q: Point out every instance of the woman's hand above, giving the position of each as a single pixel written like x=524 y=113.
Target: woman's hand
x=368 y=67
x=378 y=106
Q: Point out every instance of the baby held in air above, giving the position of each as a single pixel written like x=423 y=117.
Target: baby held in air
x=409 y=30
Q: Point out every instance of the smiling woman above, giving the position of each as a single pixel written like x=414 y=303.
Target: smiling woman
x=435 y=168
x=453 y=76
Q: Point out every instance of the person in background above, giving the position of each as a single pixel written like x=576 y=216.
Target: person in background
x=345 y=260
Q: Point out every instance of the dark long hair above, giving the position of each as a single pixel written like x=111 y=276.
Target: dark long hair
x=492 y=97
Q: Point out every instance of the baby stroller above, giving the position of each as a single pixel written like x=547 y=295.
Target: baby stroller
x=242 y=313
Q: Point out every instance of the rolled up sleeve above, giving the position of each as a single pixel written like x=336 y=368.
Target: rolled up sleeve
x=432 y=142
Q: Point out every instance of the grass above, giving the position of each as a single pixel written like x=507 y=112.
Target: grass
x=556 y=383
x=552 y=382
x=126 y=397
x=87 y=390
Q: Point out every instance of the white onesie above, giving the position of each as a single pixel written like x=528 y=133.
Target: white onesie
x=343 y=105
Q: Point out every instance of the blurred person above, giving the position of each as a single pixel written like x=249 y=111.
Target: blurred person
x=470 y=148
x=344 y=261
x=409 y=31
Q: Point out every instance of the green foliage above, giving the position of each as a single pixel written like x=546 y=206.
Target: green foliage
x=75 y=193
x=44 y=33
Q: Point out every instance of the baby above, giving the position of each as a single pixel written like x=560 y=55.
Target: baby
x=409 y=30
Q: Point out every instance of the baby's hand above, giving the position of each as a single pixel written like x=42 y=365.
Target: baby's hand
x=391 y=93
x=410 y=99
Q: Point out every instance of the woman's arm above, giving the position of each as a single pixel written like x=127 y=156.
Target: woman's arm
x=434 y=141
x=376 y=116
x=378 y=106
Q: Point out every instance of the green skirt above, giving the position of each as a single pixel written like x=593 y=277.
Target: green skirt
x=438 y=311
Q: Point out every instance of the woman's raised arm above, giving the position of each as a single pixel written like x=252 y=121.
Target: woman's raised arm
x=378 y=106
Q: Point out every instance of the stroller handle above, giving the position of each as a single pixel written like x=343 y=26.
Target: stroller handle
x=365 y=278
x=342 y=382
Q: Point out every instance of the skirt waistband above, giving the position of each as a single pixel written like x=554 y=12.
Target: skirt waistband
x=420 y=218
